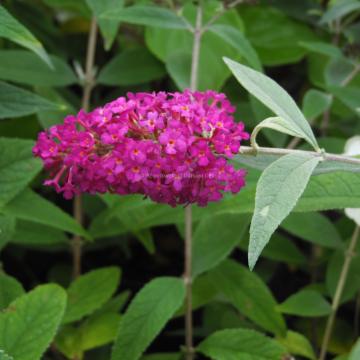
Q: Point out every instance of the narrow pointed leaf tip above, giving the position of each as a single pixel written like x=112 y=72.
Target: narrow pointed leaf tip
x=275 y=98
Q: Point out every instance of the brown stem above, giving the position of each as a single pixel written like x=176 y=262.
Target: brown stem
x=189 y=347
x=338 y=293
x=88 y=85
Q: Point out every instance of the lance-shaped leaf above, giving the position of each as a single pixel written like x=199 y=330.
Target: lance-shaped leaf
x=29 y=324
x=275 y=123
x=90 y=291
x=147 y=314
x=339 y=10
x=42 y=212
x=249 y=294
x=15 y=102
x=241 y=344
x=279 y=188
x=305 y=303
x=108 y=27
x=10 y=289
x=17 y=167
x=12 y=30
x=237 y=39
x=274 y=97
x=147 y=15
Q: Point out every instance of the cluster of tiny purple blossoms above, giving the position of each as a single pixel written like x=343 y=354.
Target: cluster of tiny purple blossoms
x=171 y=147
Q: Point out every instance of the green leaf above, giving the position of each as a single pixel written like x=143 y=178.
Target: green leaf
x=4 y=356
x=241 y=344
x=48 y=118
x=178 y=65
x=355 y=352
x=315 y=103
x=215 y=238
x=33 y=234
x=108 y=28
x=274 y=97
x=24 y=67
x=248 y=293
x=298 y=344
x=331 y=191
x=146 y=316
x=337 y=71
x=7 y=229
x=147 y=240
x=322 y=48
x=90 y=291
x=313 y=227
x=349 y=96
x=239 y=42
x=308 y=303
x=42 y=212
x=279 y=188
x=10 y=289
x=12 y=30
x=15 y=102
x=99 y=330
x=76 y=7
x=17 y=167
x=339 y=10
x=131 y=67
x=274 y=35
x=174 y=48
x=278 y=124
x=96 y=331
x=280 y=248
x=147 y=15
x=333 y=271
x=29 y=324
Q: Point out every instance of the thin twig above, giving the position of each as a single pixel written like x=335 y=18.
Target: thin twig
x=88 y=85
x=189 y=347
x=339 y=291
x=247 y=150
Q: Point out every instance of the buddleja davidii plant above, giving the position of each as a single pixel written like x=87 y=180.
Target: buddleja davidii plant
x=287 y=173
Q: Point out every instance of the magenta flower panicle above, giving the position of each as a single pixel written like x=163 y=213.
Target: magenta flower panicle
x=171 y=147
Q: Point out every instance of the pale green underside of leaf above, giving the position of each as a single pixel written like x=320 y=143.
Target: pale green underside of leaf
x=146 y=316
x=278 y=190
x=236 y=344
x=274 y=97
x=30 y=323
